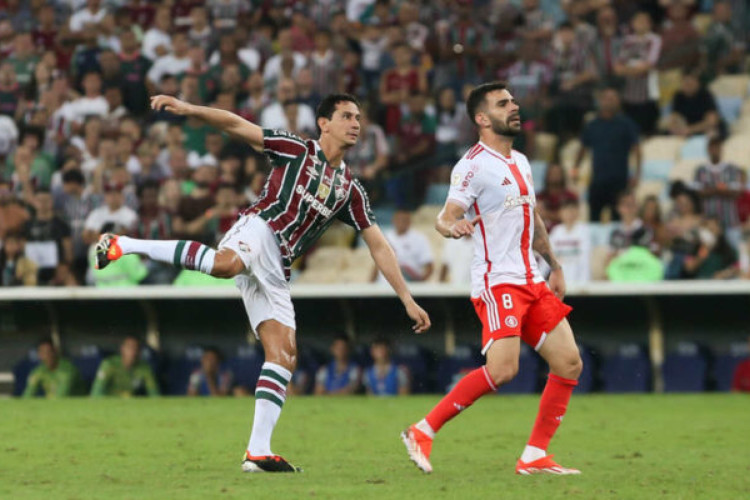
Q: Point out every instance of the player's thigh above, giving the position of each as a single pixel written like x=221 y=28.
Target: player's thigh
x=501 y=311
x=227 y=264
x=502 y=359
x=279 y=343
x=561 y=352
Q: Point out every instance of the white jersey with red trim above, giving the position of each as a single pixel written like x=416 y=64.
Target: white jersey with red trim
x=499 y=189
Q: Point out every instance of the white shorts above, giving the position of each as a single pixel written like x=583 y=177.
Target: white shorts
x=265 y=291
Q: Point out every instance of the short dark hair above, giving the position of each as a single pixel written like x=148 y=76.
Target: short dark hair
x=147 y=184
x=342 y=337
x=328 y=105
x=45 y=340
x=477 y=97
x=74 y=176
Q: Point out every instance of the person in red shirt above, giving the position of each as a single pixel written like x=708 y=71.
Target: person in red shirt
x=397 y=84
x=741 y=379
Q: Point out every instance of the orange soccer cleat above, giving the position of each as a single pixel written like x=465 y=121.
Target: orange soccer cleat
x=107 y=250
x=544 y=465
x=418 y=446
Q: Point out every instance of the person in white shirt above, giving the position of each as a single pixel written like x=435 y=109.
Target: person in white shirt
x=176 y=63
x=272 y=69
x=91 y=103
x=458 y=254
x=493 y=185
x=92 y=14
x=412 y=248
x=114 y=211
x=275 y=116
x=571 y=242
x=156 y=41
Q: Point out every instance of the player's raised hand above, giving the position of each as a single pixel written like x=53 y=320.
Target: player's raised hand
x=171 y=104
x=421 y=318
x=464 y=227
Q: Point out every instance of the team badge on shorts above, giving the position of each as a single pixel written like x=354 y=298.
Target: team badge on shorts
x=244 y=247
x=511 y=321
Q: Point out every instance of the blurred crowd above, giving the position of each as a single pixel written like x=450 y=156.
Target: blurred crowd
x=82 y=153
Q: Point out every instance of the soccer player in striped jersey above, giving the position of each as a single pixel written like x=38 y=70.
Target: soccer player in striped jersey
x=492 y=184
x=309 y=187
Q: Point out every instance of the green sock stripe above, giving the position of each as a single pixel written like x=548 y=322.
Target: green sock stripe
x=200 y=260
x=178 y=253
x=272 y=374
x=261 y=394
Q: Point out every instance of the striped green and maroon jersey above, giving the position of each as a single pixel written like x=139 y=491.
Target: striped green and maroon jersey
x=304 y=194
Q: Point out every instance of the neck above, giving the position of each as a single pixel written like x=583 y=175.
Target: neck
x=501 y=143
x=334 y=152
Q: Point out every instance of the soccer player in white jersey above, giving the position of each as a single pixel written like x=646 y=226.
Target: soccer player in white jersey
x=309 y=188
x=492 y=198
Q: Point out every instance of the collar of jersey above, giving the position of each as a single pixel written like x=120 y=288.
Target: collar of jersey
x=498 y=153
x=322 y=156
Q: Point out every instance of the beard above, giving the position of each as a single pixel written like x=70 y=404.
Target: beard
x=505 y=128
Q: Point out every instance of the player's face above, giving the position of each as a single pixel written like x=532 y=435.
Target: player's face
x=340 y=350
x=129 y=352
x=47 y=355
x=344 y=126
x=502 y=113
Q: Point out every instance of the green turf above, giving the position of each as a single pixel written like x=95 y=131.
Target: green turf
x=641 y=447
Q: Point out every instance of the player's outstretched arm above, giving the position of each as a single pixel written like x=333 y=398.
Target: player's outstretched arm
x=542 y=246
x=451 y=222
x=225 y=121
x=385 y=259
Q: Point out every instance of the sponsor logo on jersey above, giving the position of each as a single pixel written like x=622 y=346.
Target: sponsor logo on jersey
x=314 y=204
x=511 y=321
x=313 y=173
x=467 y=180
x=517 y=201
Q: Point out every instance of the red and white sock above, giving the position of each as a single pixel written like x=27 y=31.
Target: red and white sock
x=552 y=407
x=180 y=253
x=473 y=386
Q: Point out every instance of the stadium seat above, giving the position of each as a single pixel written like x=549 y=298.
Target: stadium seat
x=452 y=368
x=361 y=267
x=599 y=263
x=436 y=194
x=736 y=150
x=684 y=170
x=538 y=169
x=729 y=108
x=544 y=146
x=426 y=215
x=21 y=371
x=179 y=370
x=87 y=361
x=339 y=234
x=742 y=125
x=745 y=110
x=246 y=366
x=685 y=369
x=527 y=379
x=628 y=370
x=726 y=364
x=648 y=188
x=694 y=148
x=600 y=233
x=657 y=170
x=730 y=86
x=662 y=148
x=419 y=363
x=669 y=83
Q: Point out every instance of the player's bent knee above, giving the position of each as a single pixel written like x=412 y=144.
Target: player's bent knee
x=502 y=374
x=227 y=265
x=569 y=367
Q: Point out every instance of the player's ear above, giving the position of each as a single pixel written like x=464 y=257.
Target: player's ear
x=323 y=123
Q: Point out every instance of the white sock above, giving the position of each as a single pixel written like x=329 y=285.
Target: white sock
x=531 y=453
x=423 y=426
x=180 y=253
x=270 y=394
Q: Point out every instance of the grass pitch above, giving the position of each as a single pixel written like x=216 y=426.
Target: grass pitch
x=640 y=447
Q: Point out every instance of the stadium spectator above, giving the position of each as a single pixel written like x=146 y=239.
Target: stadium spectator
x=92 y=102
x=556 y=191
x=607 y=44
x=743 y=201
x=257 y=99
x=719 y=184
x=156 y=41
x=722 y=49
x=125 y=374
x=715 y=257
x=49 y=244
x=285 y=113
x=192 y=216
x=306 y=93
x=611 y=137
x=458 y=254
x=370 y=155
x=741 y=377
x=177 y=62
x=10 y=90
x=650 y=214
x=694 y=109
x=19 y=13
x=200 y=32
x=448 y=116
x=75 y=204
x=272 y=71
x=683 y=230
x=571 y=242
x=210 y=379
x=529 y=77
x=397 y=84
x=636 y=264
x=16 y=268
x=341 y=376
x=630 y=230
x=92 y=14
x=54 y=377
x=24 y=57
x=30 y=167
x=385 y=378
x=45 y=33
x=636 y=64
x=680 y=39
x=412 y=248
x=134 y=66
x=325 y=64
x=114 y=212
x=373 y=44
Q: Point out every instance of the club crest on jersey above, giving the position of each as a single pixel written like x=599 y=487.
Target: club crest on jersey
x=314 y=204
x=340 y=192
x=517 y=201
x=323 y=190
x=511 y=321
x=455 y=179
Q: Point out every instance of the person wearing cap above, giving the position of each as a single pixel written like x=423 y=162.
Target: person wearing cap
x=114 y=211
